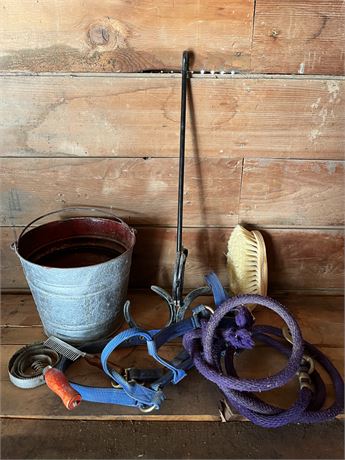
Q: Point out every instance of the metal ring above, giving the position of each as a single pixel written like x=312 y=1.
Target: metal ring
x=287 y=334
x=209 y=309
x=311 y=363
x=115 y=385
x=147 y=409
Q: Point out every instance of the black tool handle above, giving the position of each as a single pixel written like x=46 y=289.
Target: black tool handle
x=185 y=65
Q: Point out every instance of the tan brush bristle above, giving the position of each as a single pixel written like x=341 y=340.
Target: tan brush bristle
x=247 y=262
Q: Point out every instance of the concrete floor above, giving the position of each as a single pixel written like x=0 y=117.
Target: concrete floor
x=61 y=439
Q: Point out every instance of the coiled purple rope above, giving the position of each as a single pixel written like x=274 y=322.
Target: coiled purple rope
x=208 y=344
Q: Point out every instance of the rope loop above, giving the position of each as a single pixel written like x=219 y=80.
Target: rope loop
x=241 y=338
x=213 y=342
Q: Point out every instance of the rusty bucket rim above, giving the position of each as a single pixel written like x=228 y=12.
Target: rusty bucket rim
x=15 y=245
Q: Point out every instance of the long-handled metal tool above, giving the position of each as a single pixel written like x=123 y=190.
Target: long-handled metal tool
x=176 y=303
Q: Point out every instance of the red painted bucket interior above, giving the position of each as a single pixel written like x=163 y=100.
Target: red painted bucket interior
x=76 y=242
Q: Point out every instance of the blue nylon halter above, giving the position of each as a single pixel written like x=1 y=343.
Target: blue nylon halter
x=133 y=394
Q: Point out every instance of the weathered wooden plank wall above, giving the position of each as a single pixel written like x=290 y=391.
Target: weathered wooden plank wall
x=299 y=36
x=290 y=36
x=139 y=116
x=265 y=145
x=218 y=192
x=298 y=259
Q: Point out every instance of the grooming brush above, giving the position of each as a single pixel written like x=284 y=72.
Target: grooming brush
x=247 y=262
x=72 y=353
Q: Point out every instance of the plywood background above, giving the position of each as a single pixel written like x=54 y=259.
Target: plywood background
x=90 y=106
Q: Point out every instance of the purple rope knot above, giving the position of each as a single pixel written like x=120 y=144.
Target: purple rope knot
x=243 y=317
x=238 y=338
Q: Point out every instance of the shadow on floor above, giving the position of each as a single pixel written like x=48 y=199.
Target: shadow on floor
x=64 y=439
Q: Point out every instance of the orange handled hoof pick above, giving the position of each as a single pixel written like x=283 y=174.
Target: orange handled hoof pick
x=58 y=383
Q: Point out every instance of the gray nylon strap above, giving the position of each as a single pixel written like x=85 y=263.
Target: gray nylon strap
x=28 y=382
x=25 y=368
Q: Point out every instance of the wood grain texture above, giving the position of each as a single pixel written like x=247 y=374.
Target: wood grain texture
x=297 y=259
x=305 y=259
x=122 y=36
x=319 y=316
x=300 y=193
x=299 y=37
x=139 y=117
x=292 y=193
x=141 y=191
x=118 y=36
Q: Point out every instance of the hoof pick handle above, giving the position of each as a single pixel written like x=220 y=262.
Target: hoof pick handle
x=59 y=384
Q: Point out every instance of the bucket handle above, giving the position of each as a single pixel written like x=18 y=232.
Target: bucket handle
x=14 y=245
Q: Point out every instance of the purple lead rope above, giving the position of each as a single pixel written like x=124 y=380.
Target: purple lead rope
x=207 y=345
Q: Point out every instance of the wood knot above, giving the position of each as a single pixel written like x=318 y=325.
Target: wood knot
x=107 y=34
x=99 y=35
x=275 y=33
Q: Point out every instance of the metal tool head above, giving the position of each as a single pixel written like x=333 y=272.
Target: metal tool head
x=65 y=349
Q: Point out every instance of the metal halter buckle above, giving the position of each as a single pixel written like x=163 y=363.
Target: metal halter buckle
x=303 y=375
x=124 y=374
x=305 y=380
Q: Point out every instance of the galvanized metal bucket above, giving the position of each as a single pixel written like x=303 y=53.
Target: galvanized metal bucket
x=77 y=269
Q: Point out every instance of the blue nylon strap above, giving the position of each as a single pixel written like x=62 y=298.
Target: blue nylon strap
x=175 y=330
x=135 y=341
x=135 y=395
x=156 y=338
x=116 y=396
x=138 y=393
x=181 y=361
x=153 y=342
x=177 y=374
x=218 y=291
